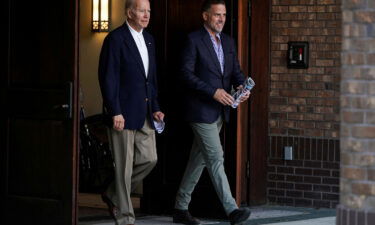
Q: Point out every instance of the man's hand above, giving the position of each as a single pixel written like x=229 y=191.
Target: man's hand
x=158 y=116
x=223 y=97
x=246 y=96
x=118 y=122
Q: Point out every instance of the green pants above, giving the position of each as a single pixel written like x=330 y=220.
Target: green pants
x=206 y=152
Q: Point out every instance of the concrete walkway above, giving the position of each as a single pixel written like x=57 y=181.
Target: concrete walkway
x=271 y=215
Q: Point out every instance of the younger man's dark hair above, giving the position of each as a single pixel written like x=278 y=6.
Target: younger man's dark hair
x=207 y=4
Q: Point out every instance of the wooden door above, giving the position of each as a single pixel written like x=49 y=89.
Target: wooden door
x=38 y=98
x=259 y=51
x=171 y=21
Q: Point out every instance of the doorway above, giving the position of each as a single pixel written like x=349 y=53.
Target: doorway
x=39 y=92
x=245 y=152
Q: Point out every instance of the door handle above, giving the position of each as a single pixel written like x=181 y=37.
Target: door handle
x=67 y=107
x=63 y=106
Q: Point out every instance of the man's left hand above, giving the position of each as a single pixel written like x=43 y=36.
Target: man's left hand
x=244 y=97
x=158 y=116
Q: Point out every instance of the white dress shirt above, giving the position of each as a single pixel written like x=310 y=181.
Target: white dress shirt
x=141 y=45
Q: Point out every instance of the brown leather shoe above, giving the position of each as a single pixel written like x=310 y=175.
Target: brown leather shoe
x=112 y=209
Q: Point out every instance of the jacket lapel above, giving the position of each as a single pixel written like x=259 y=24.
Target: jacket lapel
x=129 y=41
x=207 y=41
x=225 y=45
x=150 y=52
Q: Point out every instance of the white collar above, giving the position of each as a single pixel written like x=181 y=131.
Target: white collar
x=132 y=30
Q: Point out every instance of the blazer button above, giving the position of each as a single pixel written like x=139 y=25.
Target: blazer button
x=146 y=99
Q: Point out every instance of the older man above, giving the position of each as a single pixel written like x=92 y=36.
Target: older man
x=127 y=77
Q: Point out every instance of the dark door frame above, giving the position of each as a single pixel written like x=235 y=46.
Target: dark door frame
x=252 y=116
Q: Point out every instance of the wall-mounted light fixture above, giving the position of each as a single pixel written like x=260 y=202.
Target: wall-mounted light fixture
x=100 y=15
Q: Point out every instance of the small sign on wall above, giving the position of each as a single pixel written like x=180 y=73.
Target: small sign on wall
x=298 y=55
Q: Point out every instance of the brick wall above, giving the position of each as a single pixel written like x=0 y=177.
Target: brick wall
x=304 y=104
x=357 y=196
x=311 y=179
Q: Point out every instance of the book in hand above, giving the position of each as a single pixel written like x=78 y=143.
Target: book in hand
x=247 y=86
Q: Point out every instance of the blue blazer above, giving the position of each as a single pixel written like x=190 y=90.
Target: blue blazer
x=122 y=78
x=201 y=74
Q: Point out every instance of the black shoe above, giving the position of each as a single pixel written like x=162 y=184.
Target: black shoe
x=238 y=216
x=184 y=217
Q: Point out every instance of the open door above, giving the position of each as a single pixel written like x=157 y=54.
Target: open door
x=38 y=98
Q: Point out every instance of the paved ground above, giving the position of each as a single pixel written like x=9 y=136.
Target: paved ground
x=270 y=215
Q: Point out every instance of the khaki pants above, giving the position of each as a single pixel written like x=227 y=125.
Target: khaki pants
x=134 y=153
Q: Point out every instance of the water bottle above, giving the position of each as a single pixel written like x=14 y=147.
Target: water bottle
x=159 y=126
x=247 y=86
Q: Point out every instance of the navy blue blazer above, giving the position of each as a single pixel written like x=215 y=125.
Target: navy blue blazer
x=201 y=74
x=122 y=78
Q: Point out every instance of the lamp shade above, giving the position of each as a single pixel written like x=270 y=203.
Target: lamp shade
x=100 y=15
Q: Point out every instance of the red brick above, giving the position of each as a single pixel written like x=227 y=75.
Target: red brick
x=296 y=116
x=364 y=16
x=370 y=117
x=353 y=58
x=363 y=102
x=280 y=39
x=288 y=2
x=316 y=117
x=325 y=94
x=315 y=86
x=323 y=109
x=363 y=132
x=314 y=133
x=325 y=2
x=316 y=9
x=280 y=9
x=334 y=8
x=324 y=125
x=371 y=174
x=297 y=8
x=288 y=108
x=306 y=125
x=280 y=24
x=355 y=3
x=307 y=2
x=363 y=188
x=325 y=16
x=353 y=173
x=297 y=101
x=278 y=131
x=287 y=124
x=354 y=87
x=352 y=117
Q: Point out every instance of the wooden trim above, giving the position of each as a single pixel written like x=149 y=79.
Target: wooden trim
x=76 y=114
x=242 y=111
x=260 y=64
